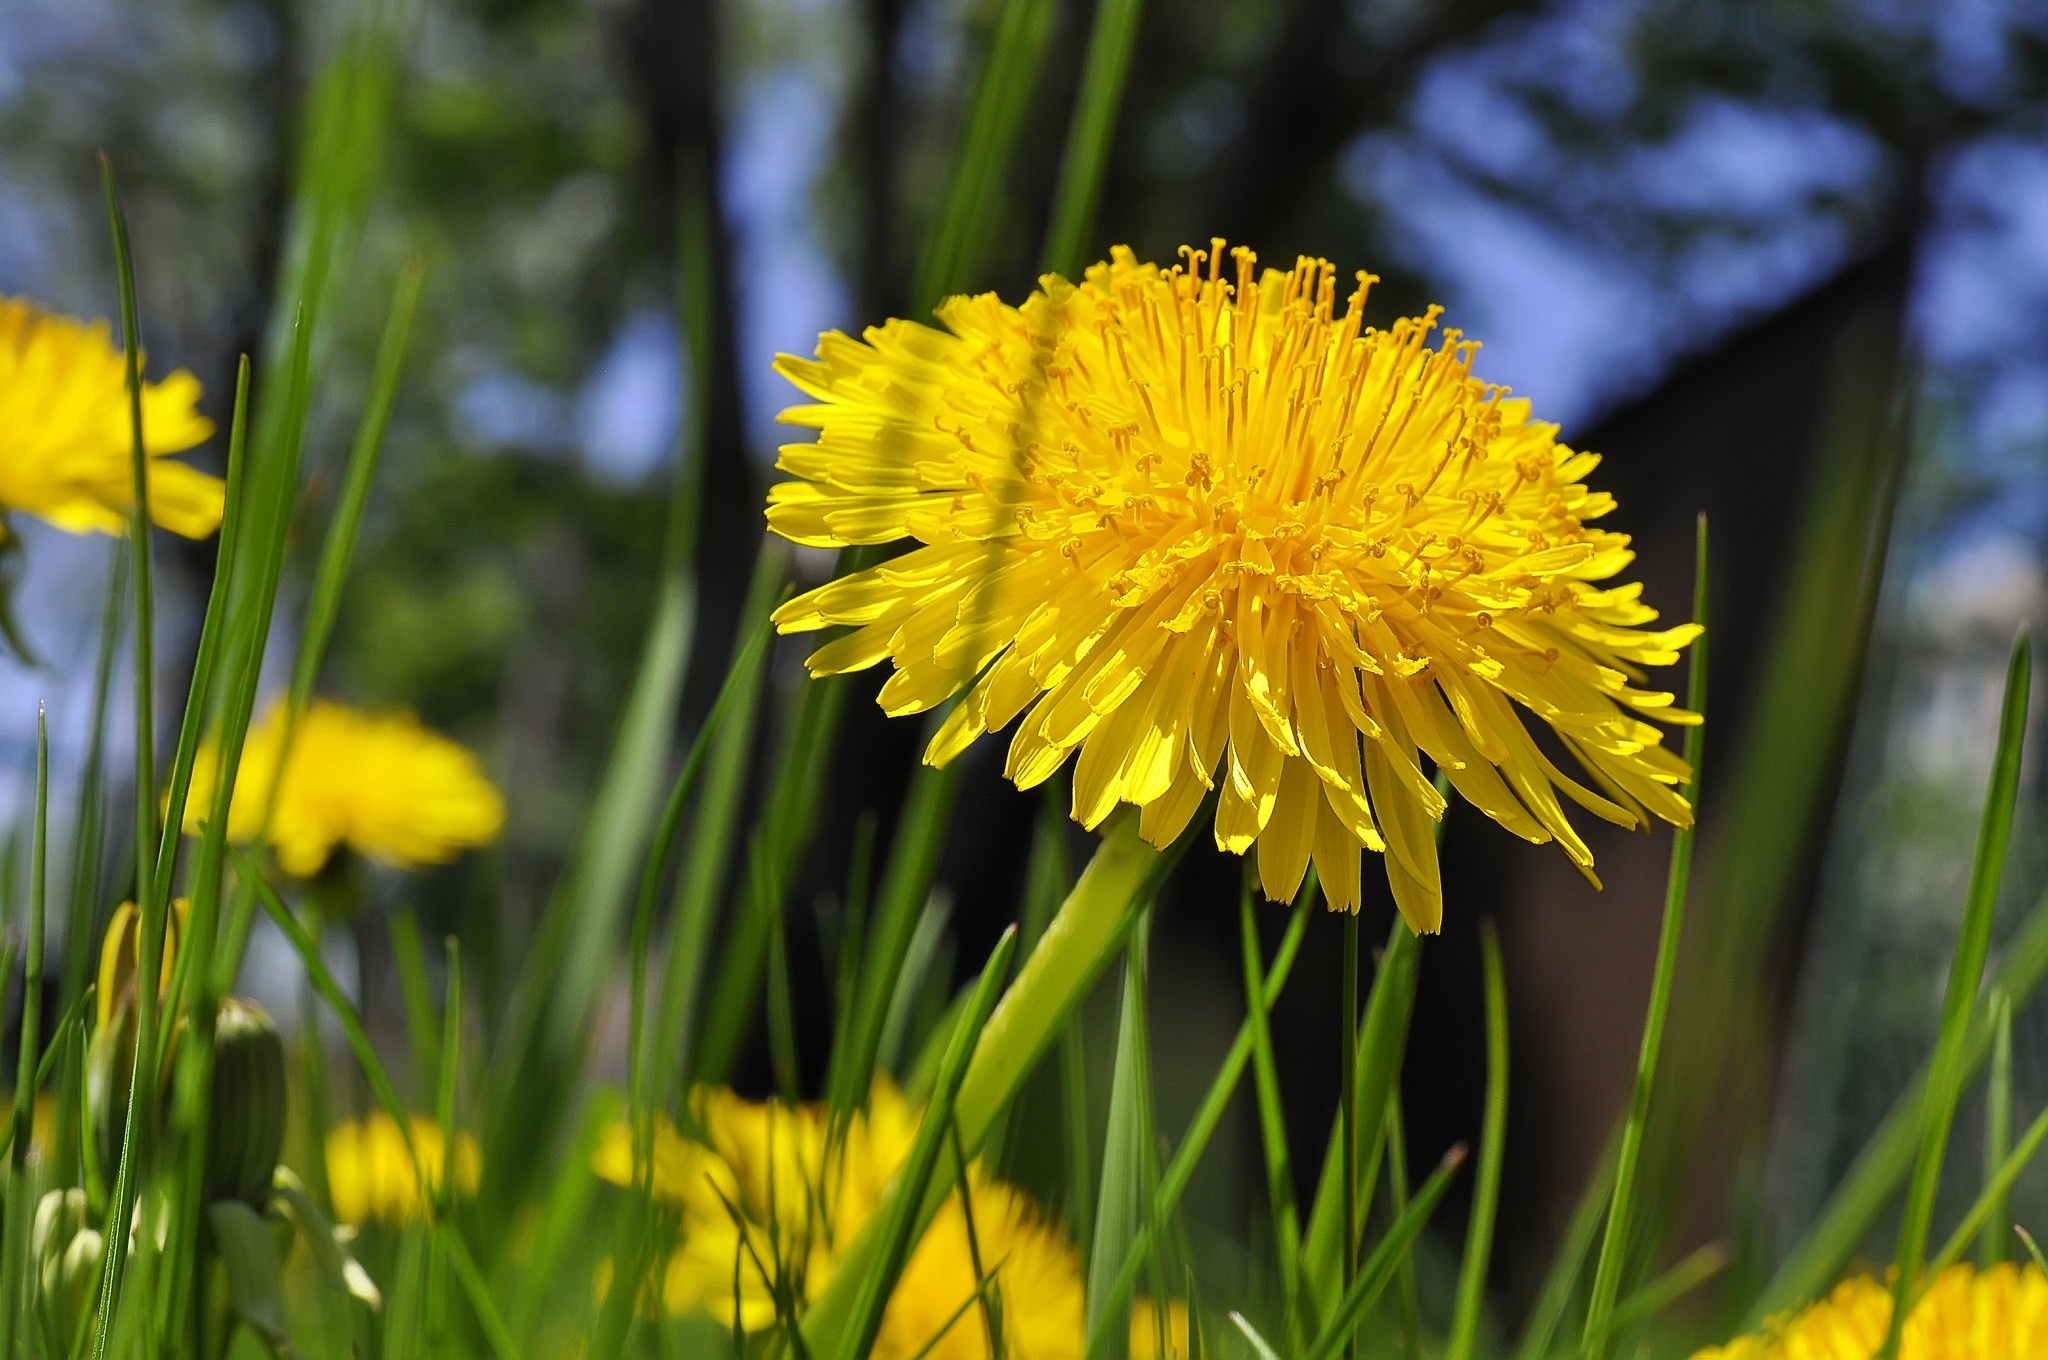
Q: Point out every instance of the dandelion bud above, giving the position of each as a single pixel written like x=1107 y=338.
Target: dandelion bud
x=67 y=1253
x=249 y=1103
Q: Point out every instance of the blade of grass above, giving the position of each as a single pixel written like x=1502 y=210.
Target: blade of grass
x=1378 y=1268
x=1104 y=72
x=409 y=959
x=138 y=1139
x=1492 y=1147
x=1864 y=1193
x=1272 y=1115
x=1991 y=1205
x=1410 y=1296
x=1674 y=1284
x=14 y=1262
x=1973 y=944
x=958 y=245
x=1173 y=1182
x=1121 y=1202
x=1383 y=1039
x=1091 y=925
x=1615 y=1244
x=1997 y=1130
x=912 y=976
x=903 y=1208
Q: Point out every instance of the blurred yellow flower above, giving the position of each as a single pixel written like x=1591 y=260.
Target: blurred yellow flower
x=1150 y=1325
x=1217 y=535
x=67 y=452
x=379 y=783
x=121 y=955
x=771 y=1192
x=371 y=1173
x=1998 y=1314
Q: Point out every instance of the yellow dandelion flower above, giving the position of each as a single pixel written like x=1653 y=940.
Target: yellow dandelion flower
x=772 y=1192
x=68 y=451
x=1221 y=535
x=379 y=783
x=371 y=1174
x=1997 y=1314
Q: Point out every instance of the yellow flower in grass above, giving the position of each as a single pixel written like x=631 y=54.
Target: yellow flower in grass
x=1998 y=1314
x=1218 y=534
x=371 y=1174
x=66 y=445
x=379 y=783
x=771 y=1195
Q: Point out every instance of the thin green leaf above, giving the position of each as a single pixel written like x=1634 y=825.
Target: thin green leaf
x=14 y=1257
x=1492 y=1148
x=1122 y=1203
x=1272 y=1114
x=1378 y=1268
x=1082 y=169
x=1615 y=1244
x=1973 y=944
x=1997 y=1131
x=1991 y=1205
x=1568 y=1262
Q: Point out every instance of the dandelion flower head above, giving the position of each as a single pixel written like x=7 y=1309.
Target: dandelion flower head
x=776 y=1194
x=1214 y=532
x=1996 y=1314
x=67 y=454
x=371 y=1174
x=379 y=783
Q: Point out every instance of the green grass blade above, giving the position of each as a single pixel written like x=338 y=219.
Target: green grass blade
x=1674 y=1284
x=1103 y=75
x=1173 y=1182
x=451 y=1069
x=1492 y=1148
x=1379 y=1268
x=1122 y=1202
x=1865 y=1192
x=707 y=852
x=323 y=604
x=1410 y=1296
x=1945 y=1089
x=1997 y=1131
x=1615 y=1244
x=1272 y=1114
x=920 y=963
x=903 y=1208
x=1383 y=1039
x=957 y=247
x=409 y=961
x=139 y=1135
x=1988 y=1215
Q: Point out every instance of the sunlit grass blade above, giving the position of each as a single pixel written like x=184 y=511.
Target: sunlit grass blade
x=1492 y=1148
x=707 y=852
x=1866 y=1191
x=1614 y=1245
x=139 y=1133
x=1997 y=1131
x=14 y=1230
x=1383 y=1039
x=1272 y=1114
x=1944 y=1089
x=1090 y=136
x=904 y=1215
x=1378 y=1268
x=959 y=239
x=1173 y=1181
x=1122 y=1205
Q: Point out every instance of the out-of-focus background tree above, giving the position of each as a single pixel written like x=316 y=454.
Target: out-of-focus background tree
x=1695 y=232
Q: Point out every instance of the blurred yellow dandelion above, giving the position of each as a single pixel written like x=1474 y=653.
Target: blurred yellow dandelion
x=371 y=1174
x=1221 y=535
x=775 y=1195
x=67 y=452
x=1998 y=1314
x=379 y=783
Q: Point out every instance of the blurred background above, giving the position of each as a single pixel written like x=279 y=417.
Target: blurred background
x=1784 y=262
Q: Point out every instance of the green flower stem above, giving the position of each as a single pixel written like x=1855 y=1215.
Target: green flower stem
x=1082 y=939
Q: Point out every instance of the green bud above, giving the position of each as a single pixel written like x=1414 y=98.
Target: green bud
x=67 y=1253
x=246 y=1132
